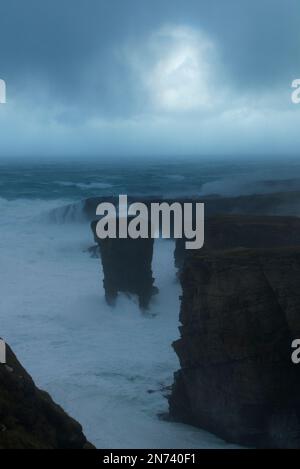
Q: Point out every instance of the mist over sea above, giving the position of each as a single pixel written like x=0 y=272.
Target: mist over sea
x=109 y=367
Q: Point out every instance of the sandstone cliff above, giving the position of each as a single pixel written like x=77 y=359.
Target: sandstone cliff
x=127 y=267
x=240 y=311
x=29 y=419
x=275 y=203
x=232 y=231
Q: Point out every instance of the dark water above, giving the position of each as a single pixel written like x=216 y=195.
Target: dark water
x=75 y=181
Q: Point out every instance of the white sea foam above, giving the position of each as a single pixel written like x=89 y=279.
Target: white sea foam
x=249 y=185
x=84 y=185
x=98 y=363
x=65 y=213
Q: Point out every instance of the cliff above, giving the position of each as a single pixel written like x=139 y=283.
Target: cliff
x=29 y=419
x=232 y=231
x=275 y=203
x=239 y=314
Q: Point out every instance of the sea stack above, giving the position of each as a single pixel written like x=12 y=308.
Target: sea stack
x=127 y=267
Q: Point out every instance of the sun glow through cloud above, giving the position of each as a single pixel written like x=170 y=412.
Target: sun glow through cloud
x=162 y=87
x=180 y=73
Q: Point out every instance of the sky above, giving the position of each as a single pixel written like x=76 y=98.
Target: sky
x=149 y=77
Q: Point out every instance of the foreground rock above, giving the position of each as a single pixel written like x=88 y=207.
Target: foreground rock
x=240 y=312
x=29 y=419
x=127 y=267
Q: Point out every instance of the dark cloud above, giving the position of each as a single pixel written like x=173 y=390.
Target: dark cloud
x=71 y=58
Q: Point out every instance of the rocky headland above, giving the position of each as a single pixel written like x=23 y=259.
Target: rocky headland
x=29 y=419
x=243 y=231
x=239 y=314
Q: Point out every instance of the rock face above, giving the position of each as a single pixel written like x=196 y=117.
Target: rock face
x=240 y=312
x=29 y=419
x=232 y=231
x=275 y=203
x=127 y=267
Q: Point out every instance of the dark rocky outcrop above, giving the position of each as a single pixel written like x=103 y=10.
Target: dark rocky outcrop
x=29 y=419
x=240 y=311
x=275 y=203
x=93 y=251
x=127 y=267
x=232 y=231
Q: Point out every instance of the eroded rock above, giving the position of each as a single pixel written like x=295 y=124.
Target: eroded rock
x=29 y=419
x=127 y=267
x=240 y=312
x=234 y=231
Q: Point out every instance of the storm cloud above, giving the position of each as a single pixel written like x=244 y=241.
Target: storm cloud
x=138 y=77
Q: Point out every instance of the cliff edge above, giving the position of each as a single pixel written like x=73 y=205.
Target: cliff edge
x=240 y=312
x=29 y=419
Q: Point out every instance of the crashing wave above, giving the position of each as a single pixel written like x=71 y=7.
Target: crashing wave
x=71 y=213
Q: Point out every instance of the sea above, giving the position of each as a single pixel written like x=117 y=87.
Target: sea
x=110 y=368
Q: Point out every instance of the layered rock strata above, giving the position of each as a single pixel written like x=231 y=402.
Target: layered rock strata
x=240 y=312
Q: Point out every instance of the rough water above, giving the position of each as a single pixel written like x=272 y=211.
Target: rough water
x=108 y=367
